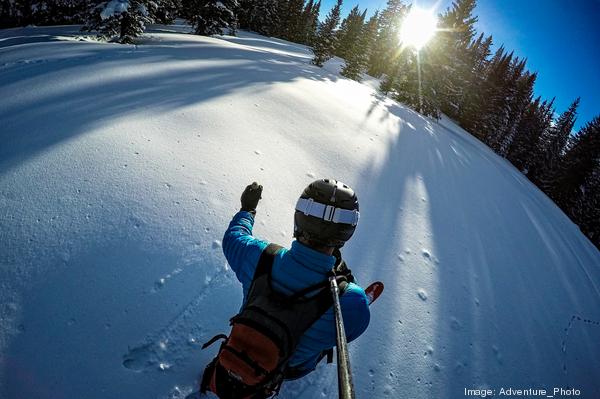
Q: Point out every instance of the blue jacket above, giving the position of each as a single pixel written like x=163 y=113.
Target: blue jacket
x=293 y=270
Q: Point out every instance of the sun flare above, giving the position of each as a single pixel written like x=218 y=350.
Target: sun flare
x=418 y=27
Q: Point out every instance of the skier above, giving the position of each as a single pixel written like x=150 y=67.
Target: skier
x=325 y=218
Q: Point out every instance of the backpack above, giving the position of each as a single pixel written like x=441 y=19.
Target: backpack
x=252 y=361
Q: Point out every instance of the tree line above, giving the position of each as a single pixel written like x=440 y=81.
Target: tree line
x=489 y=94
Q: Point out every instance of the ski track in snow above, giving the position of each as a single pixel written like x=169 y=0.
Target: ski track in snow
x=178 y=340
x=564 y=345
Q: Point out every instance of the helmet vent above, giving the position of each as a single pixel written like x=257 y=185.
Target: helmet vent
x=333 y=194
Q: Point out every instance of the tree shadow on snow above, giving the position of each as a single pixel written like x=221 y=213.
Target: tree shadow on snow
x=464 y=312
x=174 y=73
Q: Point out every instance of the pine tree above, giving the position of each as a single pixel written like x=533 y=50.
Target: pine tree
x=387 y=44
x=167 y=11
x=518 y=106
x=312 y=24
x=17 y=13
x=516 y=92
x=306 y=20
x=211 y=17
x=553 y=143
x=525 y=148
x=494 y=112
x=349 y=32
x=325 y=41
x=586 y=207
x=8 y=14
x=40 y=12
x=282 y=17
x=291 y=20
x=469 y=112
x=535 y=158
x=577 y=166
x=357 y=56
x=414 y=81
x=452 y=48
x=258 y=16
x=122 y=19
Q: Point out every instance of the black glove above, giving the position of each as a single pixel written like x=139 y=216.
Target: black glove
x=250 y=197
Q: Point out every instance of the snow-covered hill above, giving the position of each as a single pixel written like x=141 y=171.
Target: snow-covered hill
x=120 y=167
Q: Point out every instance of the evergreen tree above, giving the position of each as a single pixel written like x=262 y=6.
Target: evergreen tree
x=8 y=14
x=438 y=73
x=586 y=206
x=525 y=149
x=291 y=19
x=311 y=23
x=349 y=32
x=282 y=17
x=387 y=44
x=357 y=56
x=258 y=16
x=325 y=41
x=122 y=19
x=577 y=166
x=469 y=112
x=452 y=48
x=517 y=90
x=306 y=21
x=494 y=111
x=167 y=11
x=414 y=82
x=553 y=143
x=211 y=17
x=522 y=97
x=40 y=12
x=534 y=163
x=16 y=13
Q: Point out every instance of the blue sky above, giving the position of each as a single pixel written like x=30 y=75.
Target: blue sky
x=559 y=38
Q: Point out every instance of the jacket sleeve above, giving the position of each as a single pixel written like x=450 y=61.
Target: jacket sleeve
x=355 y=309
x=322 y=334
x=241 y=249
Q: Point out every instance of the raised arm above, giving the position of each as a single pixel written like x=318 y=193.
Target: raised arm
x=240 y=248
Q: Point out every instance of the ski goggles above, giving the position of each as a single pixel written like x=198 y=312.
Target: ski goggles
x=327 y=212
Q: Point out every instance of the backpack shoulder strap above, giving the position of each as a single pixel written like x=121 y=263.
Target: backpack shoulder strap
x=265 y=262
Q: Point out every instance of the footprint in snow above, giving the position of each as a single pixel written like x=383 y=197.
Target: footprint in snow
x=428 y=351
x=455 y=324
x=163 y=280
x=422 y=294
x=159 y=284
x=141 y=357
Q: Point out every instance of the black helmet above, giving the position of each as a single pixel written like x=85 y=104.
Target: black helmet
x=326 y=213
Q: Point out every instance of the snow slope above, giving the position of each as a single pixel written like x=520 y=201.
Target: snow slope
x=120 y=167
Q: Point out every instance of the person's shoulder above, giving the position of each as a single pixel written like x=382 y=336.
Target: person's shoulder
x=354 y=295
x=355 y=307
